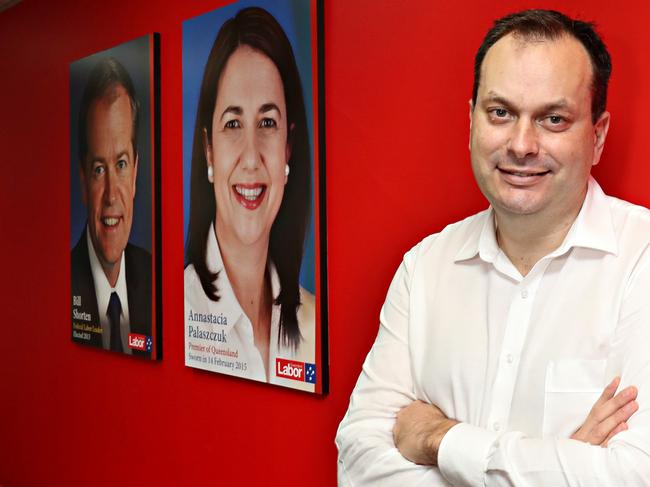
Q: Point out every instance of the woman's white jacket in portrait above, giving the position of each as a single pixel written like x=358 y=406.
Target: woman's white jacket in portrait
x=219 y=335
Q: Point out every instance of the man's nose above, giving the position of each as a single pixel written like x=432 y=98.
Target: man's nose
x=523 y=140
x=110 y=186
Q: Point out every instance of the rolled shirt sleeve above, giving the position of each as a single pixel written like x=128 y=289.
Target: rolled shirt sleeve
x=367 y=453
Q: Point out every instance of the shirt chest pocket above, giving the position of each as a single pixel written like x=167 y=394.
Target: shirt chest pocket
x=571 y=389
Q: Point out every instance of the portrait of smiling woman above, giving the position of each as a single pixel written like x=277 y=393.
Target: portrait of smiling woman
x=250 y=197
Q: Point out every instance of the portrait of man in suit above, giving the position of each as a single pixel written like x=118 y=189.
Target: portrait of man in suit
x=111 y=278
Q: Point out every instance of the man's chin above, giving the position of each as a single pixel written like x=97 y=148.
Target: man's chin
x=110 y=261
x=109 y=256
x=519 y=208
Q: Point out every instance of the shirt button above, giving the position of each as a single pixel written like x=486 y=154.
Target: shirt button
x=510 y=358
x=524 y=294
x=496 y=426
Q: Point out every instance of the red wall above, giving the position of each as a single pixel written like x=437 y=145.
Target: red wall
x=398 y=77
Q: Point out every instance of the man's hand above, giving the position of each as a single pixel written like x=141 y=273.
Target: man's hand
x=609 y=415
x=418 y=431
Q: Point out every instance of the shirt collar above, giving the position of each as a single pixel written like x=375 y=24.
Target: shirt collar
x=593 y=228
x=103 y=288
x=228 y=303
x=481 y=239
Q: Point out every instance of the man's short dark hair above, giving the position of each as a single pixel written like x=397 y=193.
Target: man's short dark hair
x=551 y=25
x=105 y=77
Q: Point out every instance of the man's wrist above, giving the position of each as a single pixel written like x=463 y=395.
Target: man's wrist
x=464 y=453
x=435 y=439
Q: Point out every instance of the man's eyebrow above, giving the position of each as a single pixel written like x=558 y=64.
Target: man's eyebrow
x=123 y=154
x=493 y=97
x=235 y=110
x=92 y=159
x=560 y=104
x=267 y=107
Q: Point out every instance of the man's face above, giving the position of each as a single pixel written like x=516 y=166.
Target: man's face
x=532 y=138
x=108 y=177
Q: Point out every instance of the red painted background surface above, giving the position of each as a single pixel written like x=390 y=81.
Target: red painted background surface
x=398 y=77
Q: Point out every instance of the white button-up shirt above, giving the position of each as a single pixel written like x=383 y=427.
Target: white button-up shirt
x=518 y=360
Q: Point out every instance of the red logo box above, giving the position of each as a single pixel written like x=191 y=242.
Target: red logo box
x=137 y=341
x=290 y=369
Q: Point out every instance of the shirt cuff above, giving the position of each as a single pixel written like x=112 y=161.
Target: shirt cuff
x=463 y=454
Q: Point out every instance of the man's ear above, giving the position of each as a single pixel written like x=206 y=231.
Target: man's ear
x=471 y=112
x=83 y=183
x=601 y=127
x=135 y=173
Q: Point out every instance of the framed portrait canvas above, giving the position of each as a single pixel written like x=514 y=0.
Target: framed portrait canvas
x=114 y=180
x=255 y=285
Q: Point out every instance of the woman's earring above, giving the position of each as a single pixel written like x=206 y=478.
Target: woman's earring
x=286 y=170
x=210 y=174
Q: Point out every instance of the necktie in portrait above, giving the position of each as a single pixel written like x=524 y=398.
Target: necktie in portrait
x=113 y=312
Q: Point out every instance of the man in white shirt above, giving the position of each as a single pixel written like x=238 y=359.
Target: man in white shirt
x=499 y=334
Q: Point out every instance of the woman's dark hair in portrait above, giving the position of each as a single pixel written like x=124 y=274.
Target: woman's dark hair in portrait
x=258 y=29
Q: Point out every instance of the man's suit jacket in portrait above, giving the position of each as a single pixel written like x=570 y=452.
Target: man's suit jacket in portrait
x=85 y=315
